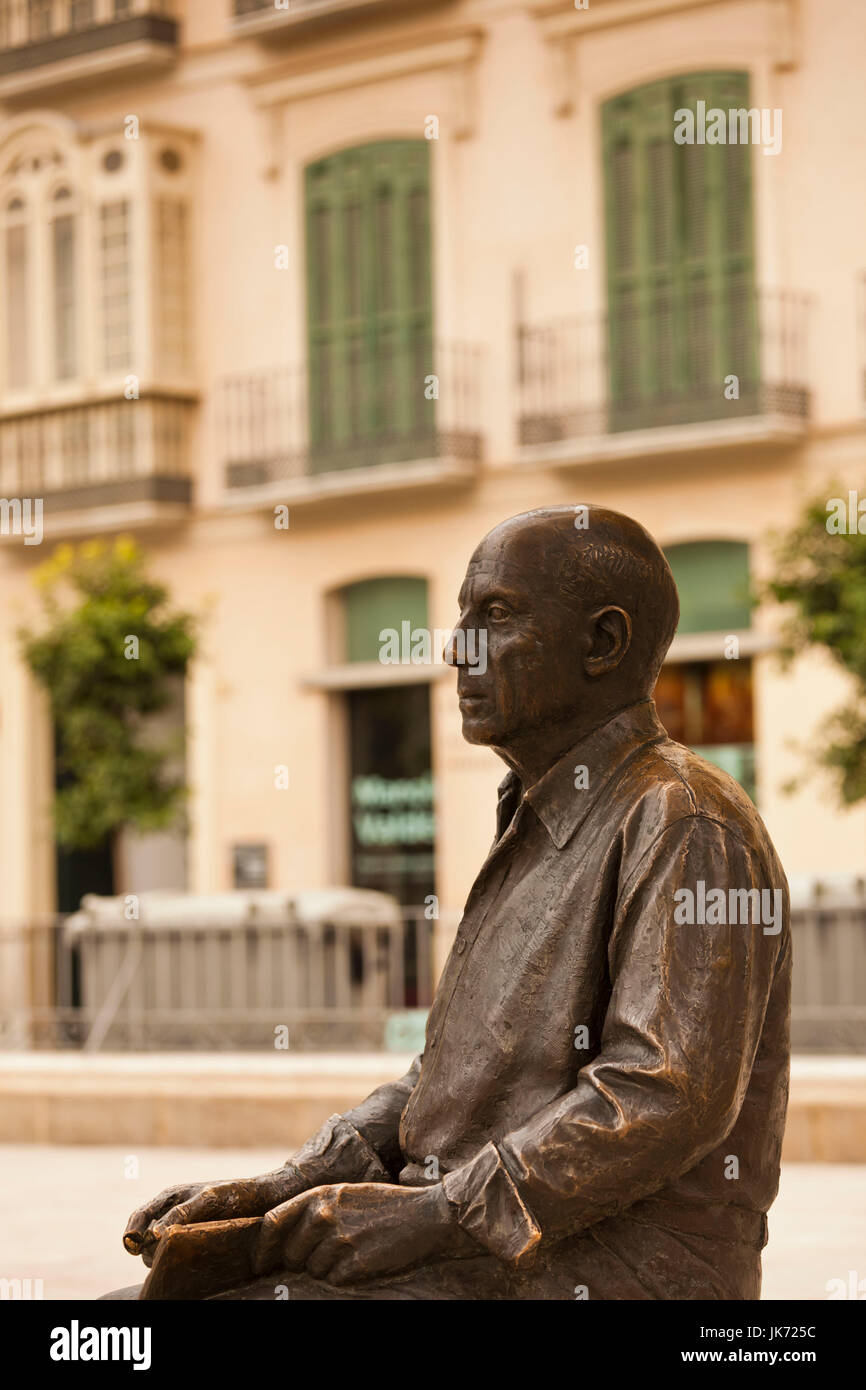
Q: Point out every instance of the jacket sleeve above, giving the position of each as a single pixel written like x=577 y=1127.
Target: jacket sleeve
x=680 y=1035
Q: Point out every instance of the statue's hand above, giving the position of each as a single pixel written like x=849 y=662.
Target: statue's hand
x=208 y=1201
x=350 y=1231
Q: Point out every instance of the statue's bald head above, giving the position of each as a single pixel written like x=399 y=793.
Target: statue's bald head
x=590 y=557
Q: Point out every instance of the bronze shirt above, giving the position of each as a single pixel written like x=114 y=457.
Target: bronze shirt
x=594 y=1055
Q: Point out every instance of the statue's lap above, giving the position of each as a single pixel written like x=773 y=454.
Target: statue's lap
x=653 y=1264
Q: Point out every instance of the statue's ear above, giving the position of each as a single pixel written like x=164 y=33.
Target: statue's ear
x=611 y=639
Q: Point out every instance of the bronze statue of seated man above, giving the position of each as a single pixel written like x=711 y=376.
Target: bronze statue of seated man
x=599 y=1107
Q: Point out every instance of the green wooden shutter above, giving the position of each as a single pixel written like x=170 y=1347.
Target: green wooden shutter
x=712 y=578
x=739 y=325
x=624 y=240
x=374 y=605
x=369 y=305
x=642 y=251
x=681 y=304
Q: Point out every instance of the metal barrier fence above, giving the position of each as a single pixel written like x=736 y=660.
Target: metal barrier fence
x=828 y=927
x=333 y=988
x=253 y=985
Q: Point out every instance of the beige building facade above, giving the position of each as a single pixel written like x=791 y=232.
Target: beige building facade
x=309 y=297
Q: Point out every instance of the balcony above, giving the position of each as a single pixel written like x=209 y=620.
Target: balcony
x=660 y=379
x=357 y=421
x=278 y=18
x=102 y=464
x=58 y=43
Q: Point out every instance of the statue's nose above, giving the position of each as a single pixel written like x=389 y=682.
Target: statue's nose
x=451 y=650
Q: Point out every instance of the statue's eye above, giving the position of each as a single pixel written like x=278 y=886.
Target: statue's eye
x=497 y=612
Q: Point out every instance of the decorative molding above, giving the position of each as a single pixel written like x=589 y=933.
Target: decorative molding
x=274 y=118
x=274 y=91
x=465 y=80
x=789 y=28
x=98 y=130
x=563 y=27
x=360 y=66
x=562 y=57
x=41 y=123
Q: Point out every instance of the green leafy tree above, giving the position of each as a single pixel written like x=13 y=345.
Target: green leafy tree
x=108 y=658
x=820 y=575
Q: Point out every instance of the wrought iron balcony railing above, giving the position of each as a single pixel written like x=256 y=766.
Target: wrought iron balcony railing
x=352 y=408
x=105 y=452
x=38 y=33
x=669 y=360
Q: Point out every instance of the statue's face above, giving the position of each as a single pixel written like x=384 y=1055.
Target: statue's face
x=534 y=645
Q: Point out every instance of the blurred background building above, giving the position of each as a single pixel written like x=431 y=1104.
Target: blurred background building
x=405 y=269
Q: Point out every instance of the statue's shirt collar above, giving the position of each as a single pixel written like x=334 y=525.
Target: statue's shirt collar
x=564 y=796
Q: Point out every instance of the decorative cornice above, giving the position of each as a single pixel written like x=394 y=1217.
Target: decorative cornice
x=361 y=65
x=277 y=88
x=563 y=26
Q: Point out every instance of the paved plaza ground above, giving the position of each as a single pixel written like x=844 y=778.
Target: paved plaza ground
x=63 y=1209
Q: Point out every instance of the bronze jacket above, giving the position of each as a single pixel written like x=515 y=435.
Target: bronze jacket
x=607 y=1052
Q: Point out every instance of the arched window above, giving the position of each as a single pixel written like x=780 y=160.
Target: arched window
x=16 y=272
x=63 y=284
x=39 y=206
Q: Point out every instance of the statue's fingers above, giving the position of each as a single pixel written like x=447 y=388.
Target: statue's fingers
x=324 y=1256
x=137 y=1227
x=279 y=1233
x=175 y=1216
x=211 y=1204
x=315 y=1229
x=345 y=1269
